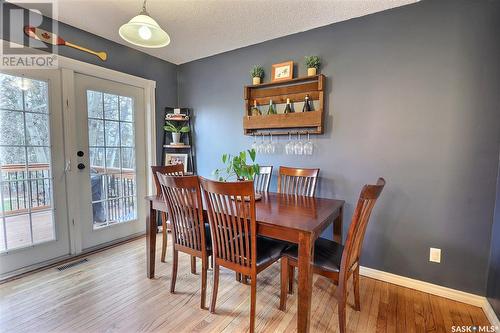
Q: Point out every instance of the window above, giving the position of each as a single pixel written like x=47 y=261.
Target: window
x=25 y=163
x=112 y=158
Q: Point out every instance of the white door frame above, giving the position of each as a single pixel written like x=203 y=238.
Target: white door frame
x=68 y=68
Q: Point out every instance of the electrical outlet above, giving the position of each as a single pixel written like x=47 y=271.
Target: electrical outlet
x=435 y=255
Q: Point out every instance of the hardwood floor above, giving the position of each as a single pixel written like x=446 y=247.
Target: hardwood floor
x=111 y=293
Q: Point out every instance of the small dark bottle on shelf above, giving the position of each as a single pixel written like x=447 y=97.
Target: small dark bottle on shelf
x=288 y=108
x=271 y=109
x=307 y=104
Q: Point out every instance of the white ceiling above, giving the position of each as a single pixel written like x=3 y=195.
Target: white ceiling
x=200 y=28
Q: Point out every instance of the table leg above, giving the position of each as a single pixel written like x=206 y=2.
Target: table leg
x=306 y=253
x=337 y=226
x=151 y=241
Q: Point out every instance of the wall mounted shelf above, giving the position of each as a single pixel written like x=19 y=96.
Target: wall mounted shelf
x=281 y=124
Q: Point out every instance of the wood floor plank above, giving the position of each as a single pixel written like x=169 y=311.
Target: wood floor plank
x=110 y=293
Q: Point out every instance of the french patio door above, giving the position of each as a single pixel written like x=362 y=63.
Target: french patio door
x=33 y=209
x=111 y=160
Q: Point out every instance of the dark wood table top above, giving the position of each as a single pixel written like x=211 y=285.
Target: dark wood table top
x=305 y=214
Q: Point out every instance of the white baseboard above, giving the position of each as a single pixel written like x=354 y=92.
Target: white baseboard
x=491 y=315
x=434 y=289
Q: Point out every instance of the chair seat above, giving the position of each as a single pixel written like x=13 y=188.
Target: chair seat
x=268 y=250
x=327 y=254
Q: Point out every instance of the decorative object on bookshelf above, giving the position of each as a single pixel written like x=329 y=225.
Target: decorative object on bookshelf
x=179 y=118
x=176 y=131
x=307 y=104
x=282 y=71
x=312 y=63
x=257 y=74
x=272 y=109
x=288 y=108
x=255 y=110
x=173 y=159
x=279 y=92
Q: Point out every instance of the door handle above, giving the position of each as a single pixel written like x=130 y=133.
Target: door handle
x=81 y=166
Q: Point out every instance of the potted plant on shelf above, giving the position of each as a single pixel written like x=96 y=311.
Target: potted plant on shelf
x=257 y=74
x=176 y=131
x=312 y=63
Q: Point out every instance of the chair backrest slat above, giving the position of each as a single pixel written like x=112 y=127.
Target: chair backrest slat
x=297 y=181
x=231 y=214
x=171 y=170
x=262 y=179
x=182 y=196
x=354 y=242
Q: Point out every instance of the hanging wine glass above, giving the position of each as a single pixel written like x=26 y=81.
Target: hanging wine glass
x=262 y=146
x=269 y=145
x=299 y=146
x=272 y=145
x=255 y=145
x=289 y=145
x=308 y=146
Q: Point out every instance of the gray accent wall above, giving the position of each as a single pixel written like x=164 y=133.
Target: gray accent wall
x=123 y=59
x=412 y=95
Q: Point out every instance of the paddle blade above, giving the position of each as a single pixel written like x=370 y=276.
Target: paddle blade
x=44 y=36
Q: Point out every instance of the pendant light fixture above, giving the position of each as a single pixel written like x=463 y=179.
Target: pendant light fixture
x=143 y=31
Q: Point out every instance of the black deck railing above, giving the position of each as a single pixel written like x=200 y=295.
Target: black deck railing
x=22 y=185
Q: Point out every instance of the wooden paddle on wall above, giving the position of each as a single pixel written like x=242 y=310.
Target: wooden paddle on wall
x=52 y=38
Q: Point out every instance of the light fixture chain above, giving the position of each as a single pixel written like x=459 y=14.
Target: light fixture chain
x=144 y=11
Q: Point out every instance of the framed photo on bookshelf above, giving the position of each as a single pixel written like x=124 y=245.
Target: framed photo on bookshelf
x=282 y=71
x=172 y=159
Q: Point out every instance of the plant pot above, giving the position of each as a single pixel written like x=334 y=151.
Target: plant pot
x=256 y=80
x=176 y=138
x=311 y=71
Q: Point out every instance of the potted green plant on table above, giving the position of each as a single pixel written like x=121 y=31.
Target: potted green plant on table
x=312 y=63
x=257 y=74
x=236 y=167
x=176 y=131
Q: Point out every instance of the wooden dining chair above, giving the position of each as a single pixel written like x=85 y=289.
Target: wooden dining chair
x=335 y=261
x=262 y=179
x=171 y=170
x=236 y=246
x=190 y=235
x=297 y=181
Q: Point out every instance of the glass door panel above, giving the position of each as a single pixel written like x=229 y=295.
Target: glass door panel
x=111 y=150
x=112 y=141
x=25 y=172
x=33 y=215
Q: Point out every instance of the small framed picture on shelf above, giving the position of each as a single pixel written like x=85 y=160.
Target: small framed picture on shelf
x=172 y=159
x=282 y=71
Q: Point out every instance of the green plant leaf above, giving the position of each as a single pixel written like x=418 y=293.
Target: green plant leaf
x=252 y=154
x=184 y=129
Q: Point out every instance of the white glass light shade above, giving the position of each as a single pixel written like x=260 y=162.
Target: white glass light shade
x=142 y=30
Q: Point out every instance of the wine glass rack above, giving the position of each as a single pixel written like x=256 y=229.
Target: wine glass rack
x=283 y=123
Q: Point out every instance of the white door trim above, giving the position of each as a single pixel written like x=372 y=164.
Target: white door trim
x=149 y=87
x=68 y=68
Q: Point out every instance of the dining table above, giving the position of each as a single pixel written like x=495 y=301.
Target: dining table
x=293 y=218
